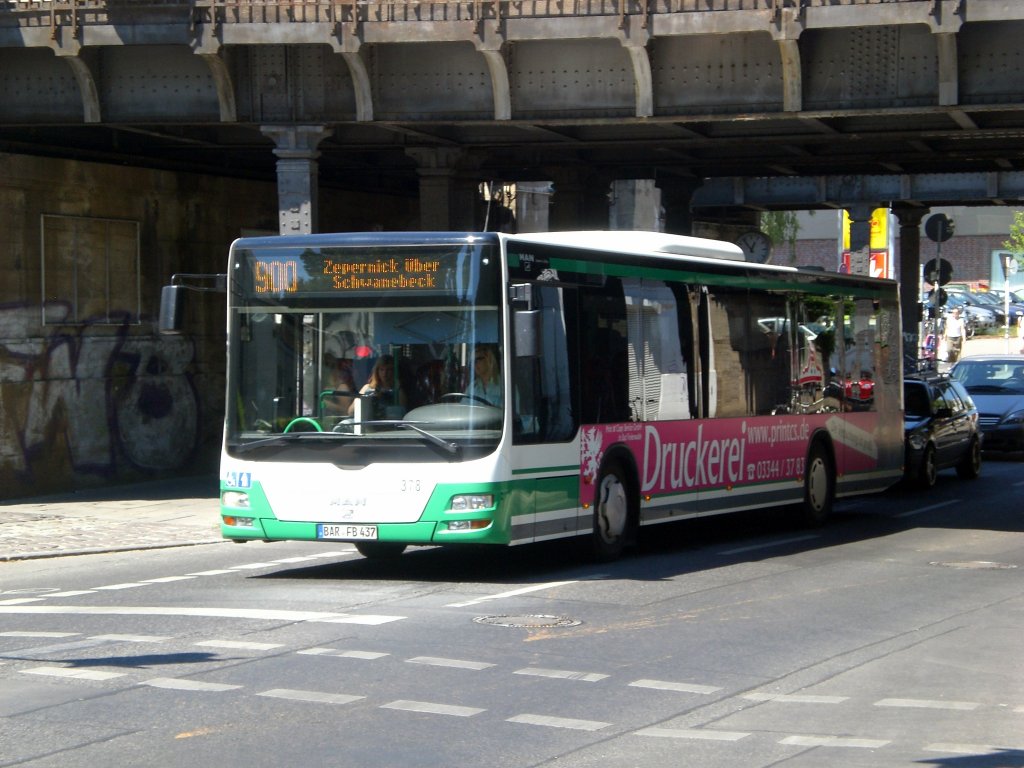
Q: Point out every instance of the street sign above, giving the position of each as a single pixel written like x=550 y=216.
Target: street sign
x=939 y=228
x=1009 y=264
x=938 y=272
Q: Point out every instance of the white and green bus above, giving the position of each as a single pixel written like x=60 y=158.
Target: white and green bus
x=397 y=389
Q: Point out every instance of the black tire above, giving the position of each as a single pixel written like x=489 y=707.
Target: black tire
x=613 y=514
x=819 y=486
x=380 y=550
x=970 y=465
x=927 y=473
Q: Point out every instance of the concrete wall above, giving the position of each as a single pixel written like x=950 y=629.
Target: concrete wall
x=105 y=399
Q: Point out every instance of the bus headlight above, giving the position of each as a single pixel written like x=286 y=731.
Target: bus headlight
x=235 y=499
x=471 y=501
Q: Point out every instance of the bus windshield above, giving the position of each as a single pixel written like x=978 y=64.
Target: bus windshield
x=357 y=348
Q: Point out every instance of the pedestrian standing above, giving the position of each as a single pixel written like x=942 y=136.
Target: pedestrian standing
x=954 y=334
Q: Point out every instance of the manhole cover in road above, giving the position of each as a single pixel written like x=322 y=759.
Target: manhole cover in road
x=531 y=621
x=976 y=565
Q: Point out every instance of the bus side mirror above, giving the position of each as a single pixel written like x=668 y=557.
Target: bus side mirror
x=172 y=310
x=526 y=326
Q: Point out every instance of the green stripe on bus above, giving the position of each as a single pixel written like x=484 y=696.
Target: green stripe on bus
x=539 y=470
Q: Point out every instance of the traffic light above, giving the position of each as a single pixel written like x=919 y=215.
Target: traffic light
x=930 y=302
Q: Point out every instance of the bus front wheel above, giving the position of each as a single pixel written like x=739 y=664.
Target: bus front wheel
x=611 y=514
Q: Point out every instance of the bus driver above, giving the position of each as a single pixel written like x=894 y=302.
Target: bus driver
x=486 y=376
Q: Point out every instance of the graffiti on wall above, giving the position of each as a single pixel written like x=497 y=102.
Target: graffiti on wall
x=96 y=399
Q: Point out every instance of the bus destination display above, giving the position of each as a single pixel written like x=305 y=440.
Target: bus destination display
x=318 y=273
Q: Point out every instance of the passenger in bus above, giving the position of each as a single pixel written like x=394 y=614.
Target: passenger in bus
x=382 y=383
x=338 y=380
x=486 y=384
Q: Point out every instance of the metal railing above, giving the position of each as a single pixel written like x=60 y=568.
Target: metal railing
x=78 y=13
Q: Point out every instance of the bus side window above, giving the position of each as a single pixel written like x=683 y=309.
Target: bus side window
x=544 y=386
x=604 y=366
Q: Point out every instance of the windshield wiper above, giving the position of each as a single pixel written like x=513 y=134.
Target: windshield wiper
x=283 y=438
x=453 y=449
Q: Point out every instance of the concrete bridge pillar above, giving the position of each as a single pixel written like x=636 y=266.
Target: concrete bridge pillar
x=910 y=276
x=297 y=175
x=636 y=204
x=676 y=194
x=580 y=200
x=446 y=201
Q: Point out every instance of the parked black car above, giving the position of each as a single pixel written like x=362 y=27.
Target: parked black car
x=996 y=384
x=940 y=423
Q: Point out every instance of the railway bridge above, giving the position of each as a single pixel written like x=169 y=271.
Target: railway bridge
x=177 y=124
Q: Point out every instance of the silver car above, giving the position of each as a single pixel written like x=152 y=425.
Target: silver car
x=996 y=384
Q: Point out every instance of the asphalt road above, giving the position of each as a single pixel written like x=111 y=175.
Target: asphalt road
x=890 y=637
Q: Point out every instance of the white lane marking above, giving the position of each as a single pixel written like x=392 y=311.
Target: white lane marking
x=21 y=600
x=692 y=733
x=368 y=619
x=318 y=556
x=78 y=674
x=73 y=645
x=561 y=674
x=220 y=613
x=433 y=708
x=215 y=572
x=794 y=698
x=132 y=638
x=167 y=579
x=434 y=661
x=770 y=544
x=511 y=593
x=981 y=751
x=665 y=685
x=966 y=706
x=558 y=722
x=834 y=741
x=238 y=645
x=316 y=697
x=73 y=593
x=175 y=684
x=252 y=566
x=126 y=585
x=367 y=655
x=38 y=634
x=929 y=508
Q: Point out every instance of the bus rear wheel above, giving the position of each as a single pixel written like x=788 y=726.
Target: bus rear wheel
x=380 y=550
x=819 y=486
x=612 y=514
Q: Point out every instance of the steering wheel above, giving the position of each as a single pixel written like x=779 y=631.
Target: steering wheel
x=303 y=421
x=464 y=396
